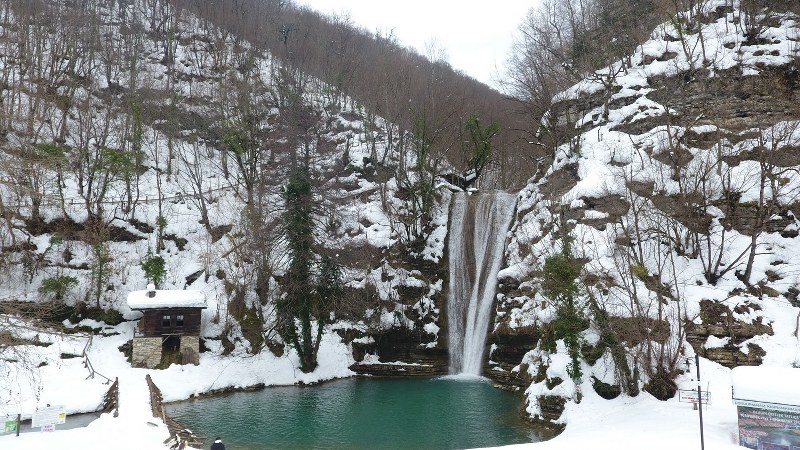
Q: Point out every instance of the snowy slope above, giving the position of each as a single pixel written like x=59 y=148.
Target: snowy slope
x=604 y=156
x=642 y=183
x=187 y=89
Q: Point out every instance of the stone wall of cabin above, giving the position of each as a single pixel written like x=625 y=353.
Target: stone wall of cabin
x=190 y=350
x=146 y=352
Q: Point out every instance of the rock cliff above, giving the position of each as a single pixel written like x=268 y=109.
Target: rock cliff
x=675 y=182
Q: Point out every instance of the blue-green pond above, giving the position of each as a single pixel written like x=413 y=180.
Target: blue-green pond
x=362 y=413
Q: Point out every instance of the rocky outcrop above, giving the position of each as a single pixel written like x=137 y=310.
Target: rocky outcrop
x=597 y=212
x=507 y=348
x=396 y=352
x=733 y=356
x=728 y=99
x=719 y=321
x=551 y=407
x=746 y=218
x=561 y=181
x=398 y=369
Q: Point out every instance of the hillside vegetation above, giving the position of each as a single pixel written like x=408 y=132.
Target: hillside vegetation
x=298 y=170
x=666 y=224
x=142 y=142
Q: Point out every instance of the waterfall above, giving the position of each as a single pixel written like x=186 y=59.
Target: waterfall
x=477 y=235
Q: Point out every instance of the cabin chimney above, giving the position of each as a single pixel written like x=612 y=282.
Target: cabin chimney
x=151 y=290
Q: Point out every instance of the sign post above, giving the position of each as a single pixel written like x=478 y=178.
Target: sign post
x=696 y=397
x=47 y=418
x=690 y=396
x=11 y=424
x=700 y=403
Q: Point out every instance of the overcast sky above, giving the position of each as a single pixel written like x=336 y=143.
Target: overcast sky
x=476 y=36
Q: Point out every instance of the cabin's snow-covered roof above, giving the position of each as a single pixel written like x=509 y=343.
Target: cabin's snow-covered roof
x=166 y=298
x=767 y=384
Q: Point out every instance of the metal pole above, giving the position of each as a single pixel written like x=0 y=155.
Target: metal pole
x=699 y=401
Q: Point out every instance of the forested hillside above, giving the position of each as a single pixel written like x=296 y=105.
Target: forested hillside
x=666 y=224
x=142 y=142
x=298 y=170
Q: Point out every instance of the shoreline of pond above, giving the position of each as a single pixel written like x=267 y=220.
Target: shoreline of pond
x=540 y=425
x=529 y=427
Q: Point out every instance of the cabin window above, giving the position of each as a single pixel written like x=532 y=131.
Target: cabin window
x=179 y=320
x=166 y=321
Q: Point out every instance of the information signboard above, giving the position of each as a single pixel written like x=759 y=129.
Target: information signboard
x=768 y=429
x=50 y=415
x=690 y=396
x=10 y=425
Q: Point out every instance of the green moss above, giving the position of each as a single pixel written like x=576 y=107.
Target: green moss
x=639 y=271
x=169 y=358
x=605 y=390
x=252 y=328
x=541 y=374
x=553 y=382
x=592 y=353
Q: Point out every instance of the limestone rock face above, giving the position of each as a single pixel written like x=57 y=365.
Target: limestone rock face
x=400 y=352
x=675 y=177
x=721 y=324
x=399 y=369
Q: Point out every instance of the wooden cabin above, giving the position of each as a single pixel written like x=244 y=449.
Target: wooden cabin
x=169 y=327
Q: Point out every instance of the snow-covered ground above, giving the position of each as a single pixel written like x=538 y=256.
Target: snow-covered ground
x=646 y=423
x=64 y=383
x=641 y=422
x=627 y=423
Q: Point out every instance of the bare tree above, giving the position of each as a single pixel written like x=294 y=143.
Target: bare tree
x=776 y=189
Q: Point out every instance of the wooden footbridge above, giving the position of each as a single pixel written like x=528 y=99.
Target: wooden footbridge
x=179 y=436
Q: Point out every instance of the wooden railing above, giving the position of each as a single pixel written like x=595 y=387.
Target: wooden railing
x=88 y=364
x=179 y=436
x=111 y=399
x=156 y=400
x=797 y=327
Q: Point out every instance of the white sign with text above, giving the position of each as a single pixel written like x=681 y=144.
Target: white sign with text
x=50 y=415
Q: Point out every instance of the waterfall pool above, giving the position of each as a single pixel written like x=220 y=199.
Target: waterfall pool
x=362 y=413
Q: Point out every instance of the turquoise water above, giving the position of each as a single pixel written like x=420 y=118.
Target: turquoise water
x=358 y=413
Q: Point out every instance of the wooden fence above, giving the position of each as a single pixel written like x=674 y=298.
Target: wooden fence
x=111 y=399
x=179 y=436
x=88 y=364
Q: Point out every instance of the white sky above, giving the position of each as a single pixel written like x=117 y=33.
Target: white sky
x=476 y=36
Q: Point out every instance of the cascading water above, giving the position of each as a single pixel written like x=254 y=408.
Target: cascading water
x=477 y=235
